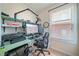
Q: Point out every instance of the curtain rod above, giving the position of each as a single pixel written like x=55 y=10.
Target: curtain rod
x=57 y=7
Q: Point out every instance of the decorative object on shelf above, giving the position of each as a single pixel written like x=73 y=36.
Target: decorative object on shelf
x=46 y=25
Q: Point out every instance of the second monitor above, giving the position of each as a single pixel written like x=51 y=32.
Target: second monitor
x=31 y=28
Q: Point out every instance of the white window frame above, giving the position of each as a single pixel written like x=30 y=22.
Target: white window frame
x=73 y=20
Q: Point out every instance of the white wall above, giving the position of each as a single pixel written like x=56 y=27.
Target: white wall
x=27 y=15
x=13 y=8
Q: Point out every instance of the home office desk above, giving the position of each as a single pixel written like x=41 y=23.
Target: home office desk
x=6 y=48
x=28 y=40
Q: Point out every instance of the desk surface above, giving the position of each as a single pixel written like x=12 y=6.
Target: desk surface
x=13 y=46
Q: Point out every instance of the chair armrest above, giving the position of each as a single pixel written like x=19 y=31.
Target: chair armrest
x=39 y=39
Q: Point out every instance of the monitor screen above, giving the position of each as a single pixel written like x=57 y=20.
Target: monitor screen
x=31 y=28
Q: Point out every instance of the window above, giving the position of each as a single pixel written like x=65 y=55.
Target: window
x=61 y=15
x=61 y=24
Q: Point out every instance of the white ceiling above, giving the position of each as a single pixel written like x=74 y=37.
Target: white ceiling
x=38 y=6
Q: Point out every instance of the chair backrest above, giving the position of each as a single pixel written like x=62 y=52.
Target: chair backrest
x=45 y=39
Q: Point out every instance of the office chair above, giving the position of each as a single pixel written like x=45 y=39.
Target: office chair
x=27 y=50
x=42 y=44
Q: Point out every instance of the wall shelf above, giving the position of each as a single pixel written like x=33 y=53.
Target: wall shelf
x=7 y=18
x=5 y=25
x=9 y=22
x=11 y=19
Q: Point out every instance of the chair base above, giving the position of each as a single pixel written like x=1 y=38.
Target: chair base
x=41 y=51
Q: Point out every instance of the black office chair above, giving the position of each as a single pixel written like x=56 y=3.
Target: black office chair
x=42 y=44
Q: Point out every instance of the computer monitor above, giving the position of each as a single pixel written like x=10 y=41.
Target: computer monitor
x=31 y=28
